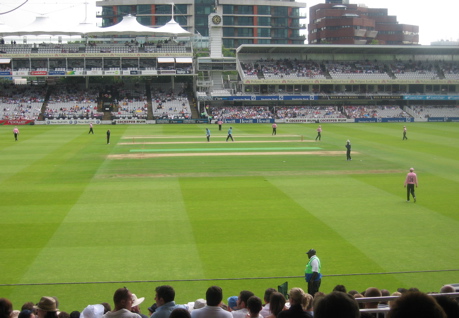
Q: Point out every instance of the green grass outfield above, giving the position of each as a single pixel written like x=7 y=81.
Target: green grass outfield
x=80 y=218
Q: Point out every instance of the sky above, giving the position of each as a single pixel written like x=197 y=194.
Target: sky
x=434 y=25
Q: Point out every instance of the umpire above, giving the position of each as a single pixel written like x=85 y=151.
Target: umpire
x=312 y=272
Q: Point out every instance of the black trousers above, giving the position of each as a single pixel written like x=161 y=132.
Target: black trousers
x=229 y=136
x=410 y=189
x=313 y=287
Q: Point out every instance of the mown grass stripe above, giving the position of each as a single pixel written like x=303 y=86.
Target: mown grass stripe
x=224 y=149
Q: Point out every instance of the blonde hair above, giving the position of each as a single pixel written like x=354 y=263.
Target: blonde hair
x=299 y=297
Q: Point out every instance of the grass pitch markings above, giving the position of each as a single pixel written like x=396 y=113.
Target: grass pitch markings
x=196 y=154
x=224 y=149
x=205 y=142
x=200 y=136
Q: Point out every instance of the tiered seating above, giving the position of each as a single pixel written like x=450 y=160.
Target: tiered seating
x=357 y=70
x=308 y=112
x=21 y=102
x=168 y=103
x=435 y=111
x=72 y=102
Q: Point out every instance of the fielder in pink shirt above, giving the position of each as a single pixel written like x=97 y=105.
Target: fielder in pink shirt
x=319 y=133
x=16 y=133
x=274 y=129
x=410 y=181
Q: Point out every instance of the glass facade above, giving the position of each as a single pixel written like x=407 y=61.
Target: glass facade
x=278 y=23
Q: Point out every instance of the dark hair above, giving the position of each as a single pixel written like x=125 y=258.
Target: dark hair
x=337 y=304
x=75 y=314
x=180 y=313
x=28 y=306
x=449 y=305
x=254 y=305
x=6 y=308
x=166 y=292
x=25 y=313
x=107 y=307
x=63 y=314
x=268 y=293
x=244 y=296
x=276 y=303
x=415 y=305
x=214 y=296
x=51 y=314
x=120 y=295
x=340 y=288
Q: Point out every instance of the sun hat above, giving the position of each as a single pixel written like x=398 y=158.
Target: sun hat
x=93 y=311
x=137 y=301
x=46 y=303
x=199 y=303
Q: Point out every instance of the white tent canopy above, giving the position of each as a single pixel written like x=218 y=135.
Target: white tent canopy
x=5 y=29
x=173 y=28
x=43 y=25
x=127 y=26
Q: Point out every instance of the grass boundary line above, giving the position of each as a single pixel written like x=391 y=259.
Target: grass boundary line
x=226 y=279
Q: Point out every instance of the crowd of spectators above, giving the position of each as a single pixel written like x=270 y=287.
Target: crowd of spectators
x=338 y=303
x=420 y=111
x=308 y=112
x=19 y=102
x=375 y=112
x=238 y=112
x=71 y=101
x=282 y=68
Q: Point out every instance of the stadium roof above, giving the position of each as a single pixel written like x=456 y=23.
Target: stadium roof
x=128 y=26
x=346 y=49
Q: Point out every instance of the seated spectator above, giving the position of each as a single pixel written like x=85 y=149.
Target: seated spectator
x=180 y=313
x=165 y=303
x=276 y=305
x=135 y=305
x=254 y=306
x=26 y=314
x=415 y=305
x=265 y=311
x=232 y=303
x=340 y=288
x=6 y=308
x=337 y=305
x=122 y=300
x=298 y=304
x=214 y=296
x=242 y=310
x=93 y=311
x=449 y=305
x=384 y=304
x=47 y=307
x=447 y=289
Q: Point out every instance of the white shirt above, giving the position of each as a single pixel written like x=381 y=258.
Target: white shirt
x=265 y=311
x=241 y=313
x=211 y=312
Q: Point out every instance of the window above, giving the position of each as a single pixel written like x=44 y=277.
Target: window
x=245 y=32
x=245 y=10
x=264 y=10
x=143 y=9
x=264 y=33
x=245 y=21
x=264 y=21
x=228 y=9
x=228 y=31
x=228 y=21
